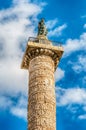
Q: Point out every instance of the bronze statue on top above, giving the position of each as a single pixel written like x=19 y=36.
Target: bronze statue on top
x=42 y=28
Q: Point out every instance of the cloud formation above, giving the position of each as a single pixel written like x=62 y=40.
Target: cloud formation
x=72 y=99
x=80 y=65
x=73 y=45
x=16 y=107
x=51 y=23
x=59 y=74
x=5 y=102
x=71 y=96
x=82 y=117
x=20 y=109
x=57 y=31
x=17 y=23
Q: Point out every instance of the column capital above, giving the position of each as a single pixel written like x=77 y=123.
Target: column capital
x=35 y=49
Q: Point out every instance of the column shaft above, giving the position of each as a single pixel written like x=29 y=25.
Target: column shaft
x=41 y=101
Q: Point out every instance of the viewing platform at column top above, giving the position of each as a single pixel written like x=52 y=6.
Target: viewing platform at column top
x=36 y=47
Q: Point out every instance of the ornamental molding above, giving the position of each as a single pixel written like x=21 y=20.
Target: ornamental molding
x=36 y=49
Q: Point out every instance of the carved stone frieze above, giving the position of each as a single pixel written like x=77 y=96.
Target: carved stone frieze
x=42 y=101
x=41 y=59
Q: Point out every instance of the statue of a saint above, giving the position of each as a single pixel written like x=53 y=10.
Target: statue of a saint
x=42 y=28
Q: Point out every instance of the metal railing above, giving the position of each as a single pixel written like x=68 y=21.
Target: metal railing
x=44 y=41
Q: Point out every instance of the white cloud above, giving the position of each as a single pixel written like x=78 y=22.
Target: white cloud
x=82 y=117
x=59 y=74
x=13 y=79
x=80 y=65
x=51 y=23
x=17 y=23
x=72 y=99
x=73 y=45
x=5 y=102
x=19 y=112
x=17 y=108
x=71 y=96
x=20 y=109
x=57 y=31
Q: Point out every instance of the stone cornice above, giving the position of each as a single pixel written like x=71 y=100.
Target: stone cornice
x=36 y=49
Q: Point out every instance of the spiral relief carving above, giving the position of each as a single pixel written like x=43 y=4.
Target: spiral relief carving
x=41 y=59
x=41 y=104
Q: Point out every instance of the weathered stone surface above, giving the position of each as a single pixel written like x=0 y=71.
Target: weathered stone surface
x=36 y=49
x=42 y=102
x=41 y=61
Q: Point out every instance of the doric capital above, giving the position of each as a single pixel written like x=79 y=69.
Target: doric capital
x=36 y=49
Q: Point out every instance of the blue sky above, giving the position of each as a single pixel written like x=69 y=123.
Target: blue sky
x=66 y=23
